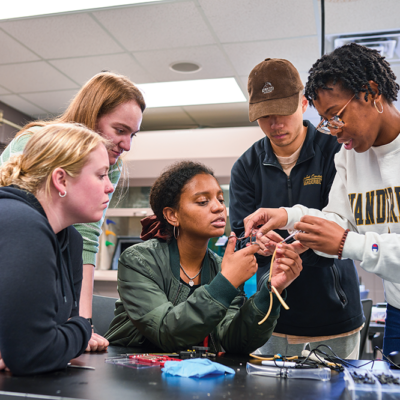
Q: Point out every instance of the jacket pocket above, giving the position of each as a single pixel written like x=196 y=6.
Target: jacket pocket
x=338 y=288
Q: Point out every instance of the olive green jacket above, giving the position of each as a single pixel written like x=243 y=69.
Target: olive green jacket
x=154 y=307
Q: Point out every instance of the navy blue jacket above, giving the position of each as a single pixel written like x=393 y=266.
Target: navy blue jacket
x=40 y=282
x=325 y=298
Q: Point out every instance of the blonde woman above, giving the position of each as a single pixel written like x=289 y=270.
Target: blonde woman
x=111 y=105
x=60 y=178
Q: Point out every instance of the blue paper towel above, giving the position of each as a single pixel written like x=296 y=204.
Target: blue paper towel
x=196 y=368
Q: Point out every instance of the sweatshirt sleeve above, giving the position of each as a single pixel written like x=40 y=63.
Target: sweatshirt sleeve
x=35 y=335
x=338 y=209
x=378 y=253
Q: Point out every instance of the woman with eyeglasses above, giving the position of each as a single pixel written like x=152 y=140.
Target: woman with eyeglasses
x=354 y=89
x=176 y=293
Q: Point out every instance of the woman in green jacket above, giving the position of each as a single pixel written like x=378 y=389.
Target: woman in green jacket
x=176 y=293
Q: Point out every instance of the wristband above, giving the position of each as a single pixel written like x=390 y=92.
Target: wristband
x=342 y=243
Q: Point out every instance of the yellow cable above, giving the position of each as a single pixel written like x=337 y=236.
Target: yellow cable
x=274 y=290
x=262 y=358
x=286 y=307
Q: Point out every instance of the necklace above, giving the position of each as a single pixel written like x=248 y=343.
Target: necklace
x=191 y=283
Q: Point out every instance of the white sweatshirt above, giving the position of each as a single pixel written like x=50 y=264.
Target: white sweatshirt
x=365 y=198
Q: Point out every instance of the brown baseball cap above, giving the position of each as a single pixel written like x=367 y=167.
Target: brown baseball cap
x=274 y=86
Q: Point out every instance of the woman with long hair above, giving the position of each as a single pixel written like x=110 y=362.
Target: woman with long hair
x=111 y=105
x=175 y=292
x=60 y=178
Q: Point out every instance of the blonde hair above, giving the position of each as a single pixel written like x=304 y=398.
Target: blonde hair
x=99 y=96
x=65 y=146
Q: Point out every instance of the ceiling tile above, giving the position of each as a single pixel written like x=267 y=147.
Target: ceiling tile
x=82 y=69
x=53 y=102
x=245 y=56
x=212 y=61
x=241 y=21
x=166 y=118
x=69 y=35
x=12 y=51
x=244 y=80
x=4 y=90
x=361 y=16
x=217 y=115
x=20 y=104
x=33 y=77
x=156 y=26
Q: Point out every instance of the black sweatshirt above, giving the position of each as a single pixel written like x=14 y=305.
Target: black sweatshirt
x=40 y=275
x=325 y=299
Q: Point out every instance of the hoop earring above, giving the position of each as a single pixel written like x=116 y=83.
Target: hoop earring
x=176 y=235
x=380 y=112
x=62 y=195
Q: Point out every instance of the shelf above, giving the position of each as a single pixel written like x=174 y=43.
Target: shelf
x=105 y=276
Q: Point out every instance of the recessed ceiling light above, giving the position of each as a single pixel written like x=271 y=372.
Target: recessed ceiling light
x=193 y=92
x=185 y=67
x=29 y=8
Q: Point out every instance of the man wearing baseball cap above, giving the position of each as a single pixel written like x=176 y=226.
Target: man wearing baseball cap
x=293 y=164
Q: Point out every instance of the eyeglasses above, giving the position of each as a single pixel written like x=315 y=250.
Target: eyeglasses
x=334 y=122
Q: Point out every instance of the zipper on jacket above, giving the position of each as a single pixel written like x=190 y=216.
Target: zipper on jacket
x=339 y=291
x=212 y=340
x=289 y=187
x=177 y=294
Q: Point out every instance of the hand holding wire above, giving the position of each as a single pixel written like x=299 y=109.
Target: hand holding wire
x=320 y=234
x=288 y=268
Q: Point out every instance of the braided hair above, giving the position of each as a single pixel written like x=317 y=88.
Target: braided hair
x=352 y=66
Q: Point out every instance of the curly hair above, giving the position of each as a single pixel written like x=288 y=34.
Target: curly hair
x=352 y=66
x=167 y=189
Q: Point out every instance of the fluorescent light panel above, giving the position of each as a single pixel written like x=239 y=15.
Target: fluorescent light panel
x=194 y=92
x=30 y=8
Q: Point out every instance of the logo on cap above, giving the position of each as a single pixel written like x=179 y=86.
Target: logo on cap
x=268 y=88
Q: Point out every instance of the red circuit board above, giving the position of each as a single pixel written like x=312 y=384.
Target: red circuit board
x=152 y=359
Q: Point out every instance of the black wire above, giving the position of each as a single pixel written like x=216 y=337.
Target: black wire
x=387 y=359
x=322 y=27
x=335 y=357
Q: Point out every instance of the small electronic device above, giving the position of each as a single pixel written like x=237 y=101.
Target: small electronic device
x=123 y=242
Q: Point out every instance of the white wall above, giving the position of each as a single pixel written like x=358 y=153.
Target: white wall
x=153 y=151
